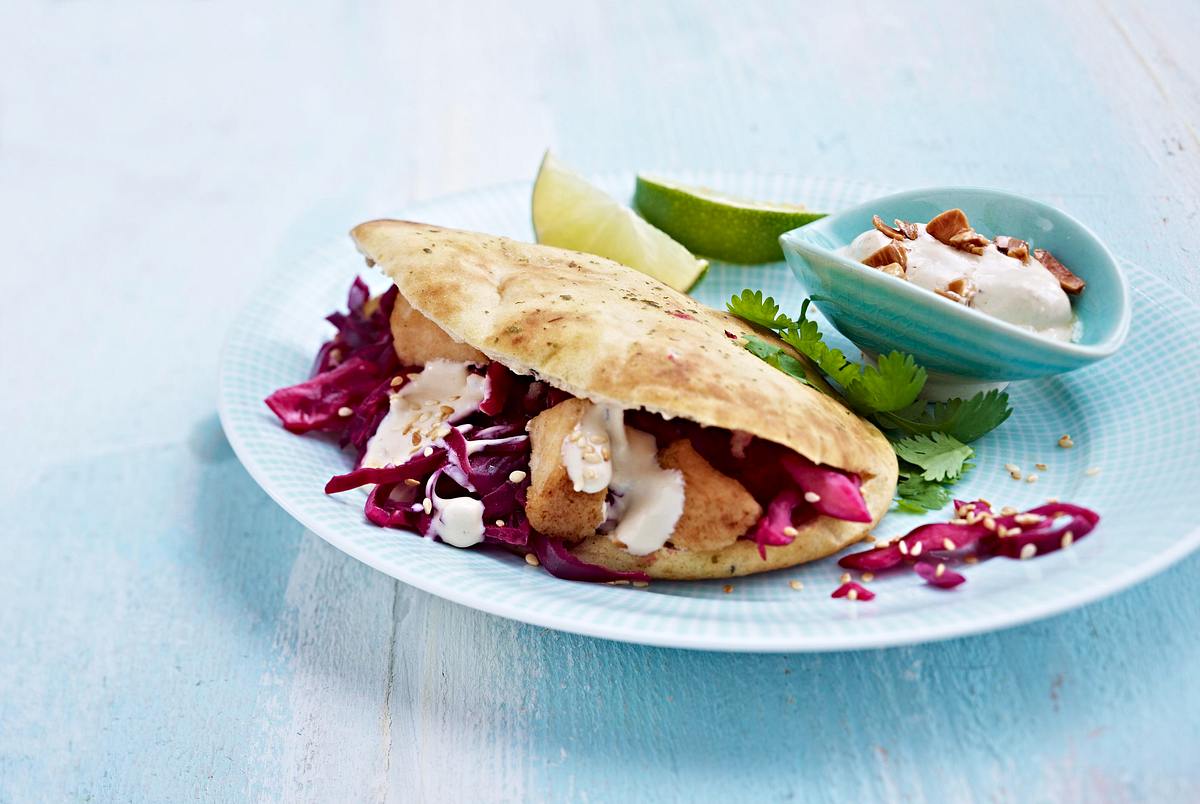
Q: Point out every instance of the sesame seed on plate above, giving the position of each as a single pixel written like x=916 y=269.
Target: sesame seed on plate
x=1028 y=551
x=1012 y=468
x=516 y=476
x=727 y=588
x=867 y=577
x=1041 y=467
x=852 y=594
x=845 y=577
x=796 y=585
x=641 y=584
x=1092 y=471
x=1065 y=441
x=1031 y=479
x=531 y=560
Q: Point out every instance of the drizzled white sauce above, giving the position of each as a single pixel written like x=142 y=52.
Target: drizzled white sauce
x=586 y=452
x=441 y=394
x=651 y=498
x=459 y=521
x=1021 y=293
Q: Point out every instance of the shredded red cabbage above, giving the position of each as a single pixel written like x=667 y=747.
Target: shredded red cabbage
x=860 y=592
x=979 y=533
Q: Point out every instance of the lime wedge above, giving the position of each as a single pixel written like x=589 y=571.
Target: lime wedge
x=716 y=225
x=570 y=213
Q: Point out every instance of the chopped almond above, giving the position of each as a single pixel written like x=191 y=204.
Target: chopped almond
x=894 y=269
x=1067 y=281
x=552 y=504
x=910 y=229
x=878 y=223
x=1013 y=247
x=952 y=228
x=964 y=288
x=716 y=508
x=891 y=253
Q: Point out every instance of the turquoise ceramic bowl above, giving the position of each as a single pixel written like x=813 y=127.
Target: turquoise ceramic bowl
x=880 y=313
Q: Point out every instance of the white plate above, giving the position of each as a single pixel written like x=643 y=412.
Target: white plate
x=1134 y=416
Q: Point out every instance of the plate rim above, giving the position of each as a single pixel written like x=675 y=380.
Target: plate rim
x=846 y=639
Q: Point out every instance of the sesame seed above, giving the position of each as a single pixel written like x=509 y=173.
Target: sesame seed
x=531 y=560
x=1028 y=551
x=416 y=438
x=949 y=545
x=845 y=577
x=727 y=588
x=984 y=501
x=1065 y=442
x=641 y=584
x=1041 y=467
x=606 y=454
x=427 y=505
x=1031 y=479
x=499 y=523
x=597 y=439
x=1001 y=531
x=1051 y=500
x=516 y=476
x=1092 y=471
x=345 y=411
x=940 y=571
x=903 y=547
x=916 y=549
x=411 y=481
x=590 y=474
x=1028 y=519
x=988 y=522
x=1007 y=510
x=959 y=521
x=447 y=410
x=1012 y=468
x=812 y=497
x=867 y=577
x=790 y=531
x=971 y=560
x=1068 y=539
x=1015 y=475
x=796 y=585
x=852 y=594
x=427 y=451
x=397 y=382
x=1014 y=531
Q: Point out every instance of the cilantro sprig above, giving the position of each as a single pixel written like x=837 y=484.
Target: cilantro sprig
x=930 y=440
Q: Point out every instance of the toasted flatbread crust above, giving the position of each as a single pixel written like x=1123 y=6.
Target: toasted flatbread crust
x=608 y=333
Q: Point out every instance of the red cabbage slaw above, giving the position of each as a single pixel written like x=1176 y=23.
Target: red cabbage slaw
x=348 y=395
x=975 y=534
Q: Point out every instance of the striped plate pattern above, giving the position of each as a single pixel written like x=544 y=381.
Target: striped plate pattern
x=1132 y=416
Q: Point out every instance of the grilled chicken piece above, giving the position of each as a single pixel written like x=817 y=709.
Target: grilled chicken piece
x=417 y=340
x=552 y=504
x=716 y=508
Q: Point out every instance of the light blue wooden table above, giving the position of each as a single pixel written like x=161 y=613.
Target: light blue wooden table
x=167 y=633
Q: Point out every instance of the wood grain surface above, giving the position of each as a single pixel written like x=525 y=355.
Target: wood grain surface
x=167 y=633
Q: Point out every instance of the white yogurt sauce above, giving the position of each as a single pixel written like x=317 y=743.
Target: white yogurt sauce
x=422 y=409
x=1025 y=294
x=649 y=498
x=587 y=452
x=459 y=521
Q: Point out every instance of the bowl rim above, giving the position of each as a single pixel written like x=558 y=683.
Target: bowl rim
x=795 y=239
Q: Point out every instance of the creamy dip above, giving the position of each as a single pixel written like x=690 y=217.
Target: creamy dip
x=602 y=453
x=422 y=410
x=459 y=521
x=1021 y=293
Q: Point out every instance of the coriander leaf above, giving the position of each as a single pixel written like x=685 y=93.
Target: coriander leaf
x=894 y=383
x=777 y=357
x=917 y=495
x=941 y=457
x=892 y=386
x=966 y=420
x=751 y=306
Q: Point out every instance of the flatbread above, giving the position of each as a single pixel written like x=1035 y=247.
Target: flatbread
x=605 y=332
